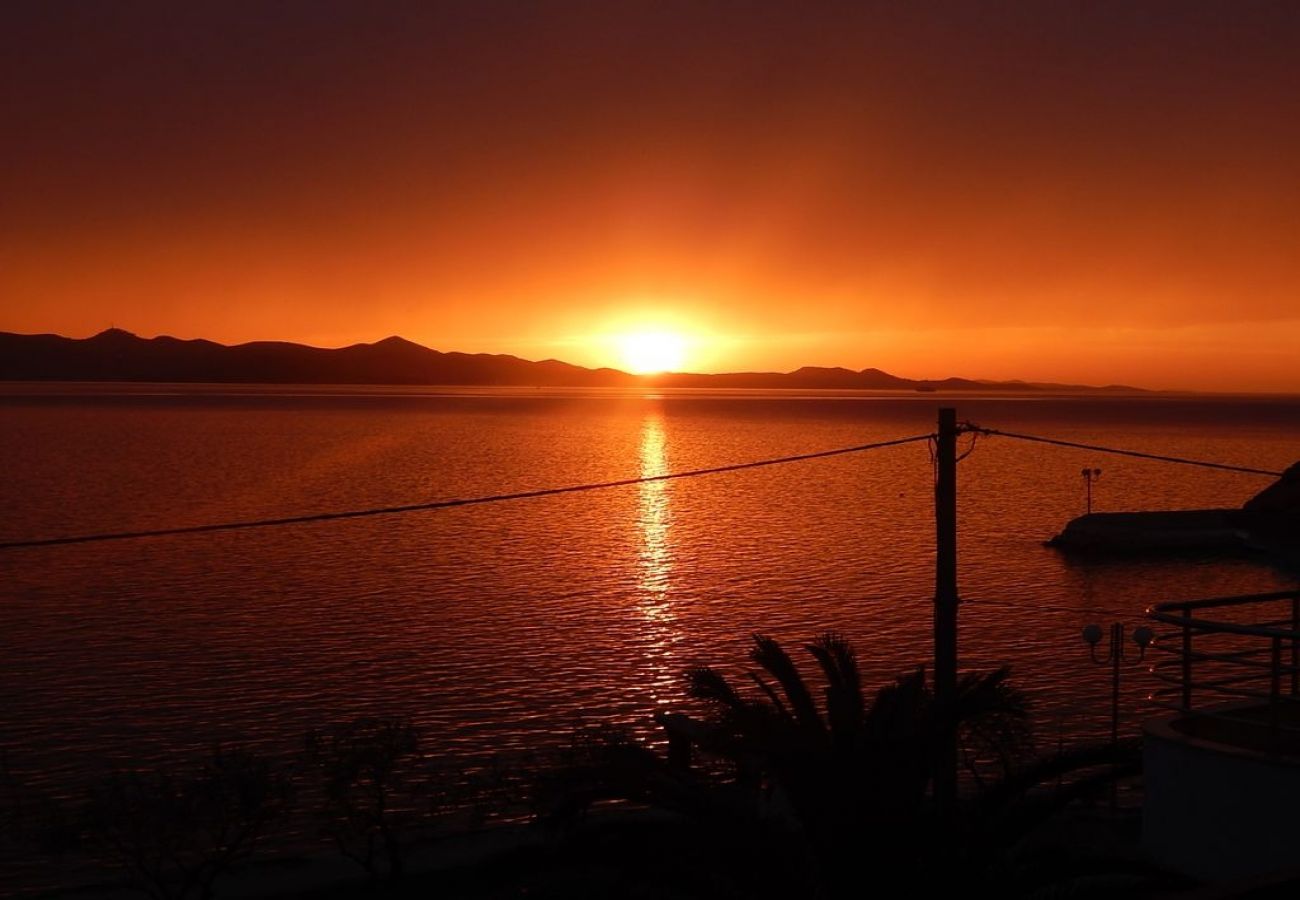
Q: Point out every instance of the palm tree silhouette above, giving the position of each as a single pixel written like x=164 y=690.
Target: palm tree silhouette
x=823 y=791
x=854 y=772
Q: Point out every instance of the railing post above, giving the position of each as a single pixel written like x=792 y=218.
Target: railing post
x=1187 y=661
x=1116 y=656
x=681 y=732
x=679 y=752
x=1275 y=675
x=1295 y=645
x=1275 y=686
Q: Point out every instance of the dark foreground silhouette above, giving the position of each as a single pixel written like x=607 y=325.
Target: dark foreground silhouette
x=800 y=796
x=788 y=787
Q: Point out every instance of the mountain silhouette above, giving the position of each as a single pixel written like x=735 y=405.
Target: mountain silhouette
x=117 y=355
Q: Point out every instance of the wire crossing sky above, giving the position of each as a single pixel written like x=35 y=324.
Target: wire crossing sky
x=1134 y=453
x=449 y=504
x=434 y=505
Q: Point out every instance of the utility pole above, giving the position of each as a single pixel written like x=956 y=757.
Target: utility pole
x=945 y=613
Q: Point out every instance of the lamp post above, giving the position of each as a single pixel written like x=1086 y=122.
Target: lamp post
x=1142 y=636
x=1089 y=476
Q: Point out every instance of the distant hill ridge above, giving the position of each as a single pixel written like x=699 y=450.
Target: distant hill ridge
x=117 y=355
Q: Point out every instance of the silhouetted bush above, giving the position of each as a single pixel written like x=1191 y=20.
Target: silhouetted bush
x=601 y=762
x=13 y=815
x=374 y=791
x=174 y=833
x=826 y=789
x=35 y=824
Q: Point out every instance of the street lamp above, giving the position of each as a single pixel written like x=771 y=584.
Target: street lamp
x=1089 y=476
x=1143 y=637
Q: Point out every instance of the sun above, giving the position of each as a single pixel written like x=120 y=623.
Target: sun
x=651 y=352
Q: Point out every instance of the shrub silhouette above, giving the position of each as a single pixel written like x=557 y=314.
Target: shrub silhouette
x=822 y=790
x=174 y=834
x=371 y=790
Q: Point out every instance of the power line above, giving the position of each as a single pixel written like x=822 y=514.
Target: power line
x=1137 y=453
x=578 y=488
x=446 y=504
x=1047 y=607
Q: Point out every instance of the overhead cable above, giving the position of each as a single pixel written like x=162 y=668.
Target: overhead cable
x=1137 y=453
x=444 y=504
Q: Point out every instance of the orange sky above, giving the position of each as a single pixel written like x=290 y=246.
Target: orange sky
x=1051 y=191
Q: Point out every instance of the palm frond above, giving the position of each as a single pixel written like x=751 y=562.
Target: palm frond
x=990 y=693
x=992 y=718
x=902 y=707
x=845 y=704
x=770 y=694
x=771 y=656
x=1125 y=753
x=1014 y=809
x=711 y=686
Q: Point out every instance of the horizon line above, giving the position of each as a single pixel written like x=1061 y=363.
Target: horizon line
x=1114 y=386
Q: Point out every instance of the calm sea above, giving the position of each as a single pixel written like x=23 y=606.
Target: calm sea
x=498 y=628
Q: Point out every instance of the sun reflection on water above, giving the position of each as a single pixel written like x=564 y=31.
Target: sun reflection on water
x=654 y=578
x=654 y=518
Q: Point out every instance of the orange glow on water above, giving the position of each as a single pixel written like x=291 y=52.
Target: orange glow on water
x=660 y=630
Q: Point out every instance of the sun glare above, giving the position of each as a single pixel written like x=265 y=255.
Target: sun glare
x=650 y=352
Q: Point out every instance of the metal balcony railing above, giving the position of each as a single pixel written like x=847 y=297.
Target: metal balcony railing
x=1232 y=666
